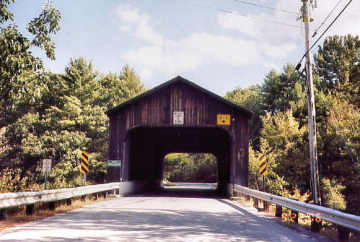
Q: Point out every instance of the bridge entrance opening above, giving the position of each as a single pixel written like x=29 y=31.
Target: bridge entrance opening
x=149 y=145
x=190 y=171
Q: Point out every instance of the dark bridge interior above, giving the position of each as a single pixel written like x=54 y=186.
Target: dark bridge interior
x=149 y=145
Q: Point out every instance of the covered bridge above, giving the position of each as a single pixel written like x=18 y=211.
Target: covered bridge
x=177 y=116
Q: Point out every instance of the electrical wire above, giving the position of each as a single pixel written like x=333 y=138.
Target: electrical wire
x=322 y=34
x=266 y=7
x=276 y=22
x=326 y=18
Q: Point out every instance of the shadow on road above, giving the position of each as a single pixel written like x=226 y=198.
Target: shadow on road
x=188 y=190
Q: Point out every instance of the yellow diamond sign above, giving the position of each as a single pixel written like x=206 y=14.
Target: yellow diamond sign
x=223 y=119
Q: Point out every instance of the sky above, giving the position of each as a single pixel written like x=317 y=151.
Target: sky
x=218 y=44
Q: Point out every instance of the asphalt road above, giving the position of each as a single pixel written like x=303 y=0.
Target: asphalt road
x=162 y=217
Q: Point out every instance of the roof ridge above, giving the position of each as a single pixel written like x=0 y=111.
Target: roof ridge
x=170 y=82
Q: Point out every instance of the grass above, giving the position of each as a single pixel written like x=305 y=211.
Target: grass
x=328 y=229
x=17 y=216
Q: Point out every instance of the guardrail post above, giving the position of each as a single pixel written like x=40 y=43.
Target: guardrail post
x=343 y=233
x=2 y=214
x=256 y=203
x=315 y=224
x=278 y=211
x=266 y=206
x=294 y=217
x=68 y=202
x=29 y=209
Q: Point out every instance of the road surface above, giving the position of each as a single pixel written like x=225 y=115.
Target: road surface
x=158 y=218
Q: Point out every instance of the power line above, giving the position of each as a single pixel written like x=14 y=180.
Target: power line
x=326 y=18
x=322 y=34
x=276 y=22
x=265 y=7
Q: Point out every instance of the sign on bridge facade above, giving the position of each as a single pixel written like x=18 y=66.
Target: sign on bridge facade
x=178 y=116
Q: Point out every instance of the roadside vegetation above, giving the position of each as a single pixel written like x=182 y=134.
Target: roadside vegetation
x=190 y=167
x=279 y=128
x=48 y=115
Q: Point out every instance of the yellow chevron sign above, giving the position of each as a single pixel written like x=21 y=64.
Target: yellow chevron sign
x=262 y=168
x=223 y=119
x=84 y=162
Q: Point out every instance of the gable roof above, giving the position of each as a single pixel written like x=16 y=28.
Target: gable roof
x=179 y=79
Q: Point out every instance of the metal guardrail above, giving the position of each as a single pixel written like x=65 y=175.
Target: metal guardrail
x=8 y=200
x=331 y=215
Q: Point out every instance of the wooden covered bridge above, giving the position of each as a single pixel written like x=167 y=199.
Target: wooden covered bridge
x=177 y=116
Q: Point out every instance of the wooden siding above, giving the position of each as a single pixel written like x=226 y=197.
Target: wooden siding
x=200 y=110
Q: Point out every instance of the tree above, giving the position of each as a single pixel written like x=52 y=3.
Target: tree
x=17 y=64
x=67 y=118
x=190 y=167
x=337 y=63
x=343 y=130
x=251 y=99
x=285 y=141
x=119 y=88
x=278 y=89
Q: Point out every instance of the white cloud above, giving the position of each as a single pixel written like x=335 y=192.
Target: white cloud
x=170 y=57
x=238 y=22
x=251 y=39
x=132 y=21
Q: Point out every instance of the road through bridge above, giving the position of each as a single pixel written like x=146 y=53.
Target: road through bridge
x=169 y=216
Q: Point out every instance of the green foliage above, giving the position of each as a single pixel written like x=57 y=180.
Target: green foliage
x=11 y=180
x=338 y=67
x=273 y=182
x=5 y=15
x=42 y=27
x=197 y=167
x=278 y=89
x=251 y=99
x=331 y=194
x=283 y=139
x=120 y=88
x=65 y=116
x=17 y=64
x=343 y=147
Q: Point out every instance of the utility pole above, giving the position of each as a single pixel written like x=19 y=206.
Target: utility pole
x=311 y=106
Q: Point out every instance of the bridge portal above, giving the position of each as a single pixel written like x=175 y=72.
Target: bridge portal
x=177 y=116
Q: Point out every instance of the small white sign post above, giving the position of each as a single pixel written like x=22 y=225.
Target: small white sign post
x=46 y=168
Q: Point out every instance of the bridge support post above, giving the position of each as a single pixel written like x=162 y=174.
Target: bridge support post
x=30 y=209
x=2 y=214
x=278 y=211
